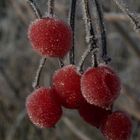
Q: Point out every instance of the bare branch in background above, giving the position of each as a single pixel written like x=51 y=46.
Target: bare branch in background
x=17 y=123
x=117 y=17
x=9 y=82
x=75 y=130
x=132 y=44
x=132 y=16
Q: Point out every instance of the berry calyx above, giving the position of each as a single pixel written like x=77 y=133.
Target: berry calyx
x=50 y=37
x=100 y=86
x=117 y=126
x=42 y=109
x=92 y=114
x=66 y=82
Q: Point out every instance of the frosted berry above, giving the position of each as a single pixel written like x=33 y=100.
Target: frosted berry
x=50 y=37
x=42 y=108
x=92 y=114
x=117 y=126
x=66 y=82
x=100 y=86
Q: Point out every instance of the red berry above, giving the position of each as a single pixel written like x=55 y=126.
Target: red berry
x=42 y=109
x=117 y=126
x=92 y=114
x=50 y=37
x=100 y=86
x=66 y=82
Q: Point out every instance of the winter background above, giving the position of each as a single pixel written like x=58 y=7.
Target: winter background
x=18 y=64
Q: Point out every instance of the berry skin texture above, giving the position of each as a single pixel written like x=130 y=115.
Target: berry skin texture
x=50 y=37
x=42 y=109
x=92 y=114
x=117 y=126
x=66 y=82
x=100 y=86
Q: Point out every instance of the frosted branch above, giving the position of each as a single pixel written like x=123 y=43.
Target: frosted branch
x=132 y=16
x=72 y=24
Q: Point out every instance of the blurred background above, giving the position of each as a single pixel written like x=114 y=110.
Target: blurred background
x=18 y=64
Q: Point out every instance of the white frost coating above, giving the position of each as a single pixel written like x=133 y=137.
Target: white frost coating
x=132 y=16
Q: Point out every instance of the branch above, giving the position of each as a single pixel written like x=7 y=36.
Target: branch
x=105 y=57
x=61 y=63
x=75 y=130
x=132 y=16
x=16 y=124
x=116 y=17
x=35 y=8
x=133 y=45
x=90 y=34
x=72 y=24
x=9 y=82
x=84 y=56
x=38 y=73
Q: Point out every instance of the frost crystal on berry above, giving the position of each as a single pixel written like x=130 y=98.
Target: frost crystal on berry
x=50 y=37
x=66 y=82
x=117 y=126
x=100 y=86
x=42 y=108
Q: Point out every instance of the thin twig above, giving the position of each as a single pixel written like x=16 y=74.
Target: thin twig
x=85 y=55
x=90 y=33
x=75 y=130
x=105 y=57
x=35 y=8
x=132 y=16
x=72 y=24
x=38 y=73
x=61 y=63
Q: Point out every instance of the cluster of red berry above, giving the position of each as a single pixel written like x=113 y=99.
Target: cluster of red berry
x=92 y=92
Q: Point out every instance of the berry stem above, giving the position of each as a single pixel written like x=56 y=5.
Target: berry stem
x=72 y=24
x=84 y=56
x=90 y=34
x=61 y=63
x=38 y=73
x=35 y=8
x=51 y=7
x=105 y=57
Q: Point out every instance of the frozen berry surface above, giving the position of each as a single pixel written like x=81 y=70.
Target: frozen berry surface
x=42 y=108
x=117 y=126
x=100 y=86
x=66 y=82
x=50 y=37
x=92 y=114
